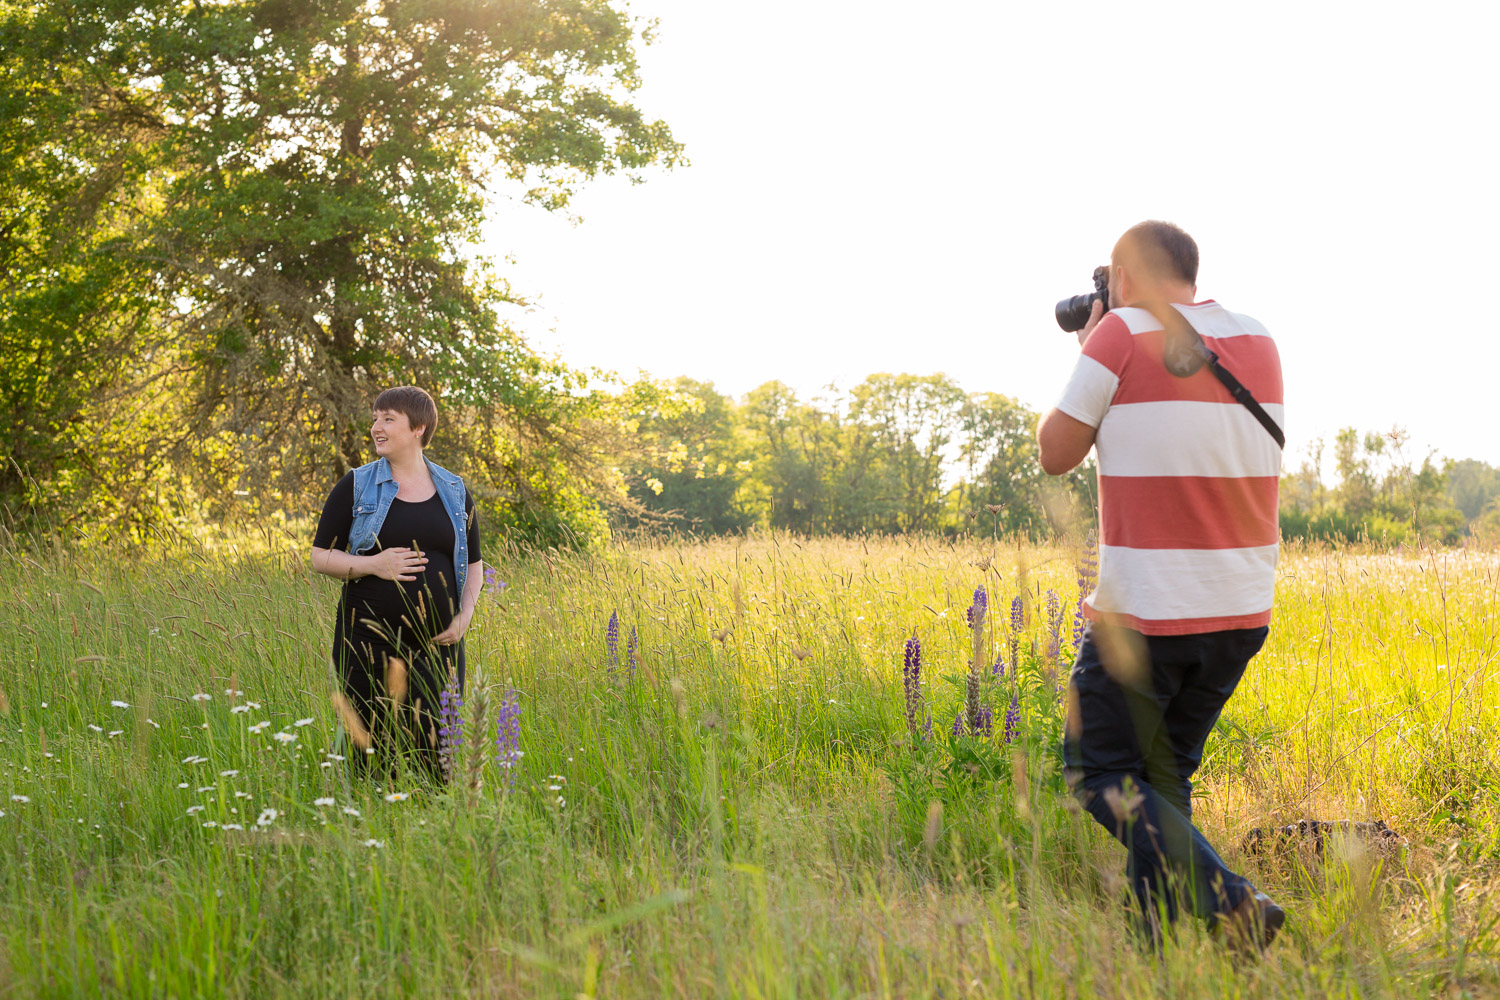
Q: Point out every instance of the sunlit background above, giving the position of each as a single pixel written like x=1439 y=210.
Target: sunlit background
x=910 y=188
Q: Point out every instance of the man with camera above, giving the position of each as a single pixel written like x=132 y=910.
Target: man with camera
x=1182 y=399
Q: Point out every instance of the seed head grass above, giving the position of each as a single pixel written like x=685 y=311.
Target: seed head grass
x=761 y=811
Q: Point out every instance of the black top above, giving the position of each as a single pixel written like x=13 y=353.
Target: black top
x=371 y=610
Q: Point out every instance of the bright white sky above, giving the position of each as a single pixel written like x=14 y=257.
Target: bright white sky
x=911 y=187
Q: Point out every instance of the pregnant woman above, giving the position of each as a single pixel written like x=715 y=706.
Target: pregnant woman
x=402 y=535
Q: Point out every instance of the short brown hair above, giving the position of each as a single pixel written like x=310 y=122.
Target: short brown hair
x=1167 y=249
x=418 y=406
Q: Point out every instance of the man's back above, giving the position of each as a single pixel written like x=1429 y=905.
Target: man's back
x=1187 y=476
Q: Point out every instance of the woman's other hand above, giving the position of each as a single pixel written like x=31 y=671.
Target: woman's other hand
x=399 y=564
x=454 y=632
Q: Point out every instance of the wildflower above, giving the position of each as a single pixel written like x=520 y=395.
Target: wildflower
x=372 y=842
x=284 y=737
x=153 y=723
x=508 y=735
x=195 y=759
x=957 y=729
x=228 y=774
x=20 y=798
x=911 y=682
x=998 y=670
x=976 y=610
x=632 y=654
x=492 y=582
x=986 y=722
x=334 y=756
x=267 y=817
x=1012 y=720
x=210 y=825
x=1017 y=623
x=303 y=722
x=398 y=796
x=203 y=696
x=350 y=811
x=241 y=795
x=120 y=704
x=259 y=727
x=231 y=826
x=325 y=801
x=182 y=784
x=116 y=732
x=1054 y=626
x=1088 y=574
x=239 y=709
x=97 y=729
x=205 y=788
x=450 y=728
x=612 y=642
x=194 y=809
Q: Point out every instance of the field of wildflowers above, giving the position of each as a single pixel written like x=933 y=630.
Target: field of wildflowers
x=816 y=768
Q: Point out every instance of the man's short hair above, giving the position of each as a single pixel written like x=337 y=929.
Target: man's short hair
x=418 y=406
x=1168 y=251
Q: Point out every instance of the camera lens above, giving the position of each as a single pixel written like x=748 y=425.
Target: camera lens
x=1073 y=314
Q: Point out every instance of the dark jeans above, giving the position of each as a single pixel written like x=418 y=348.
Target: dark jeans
x=1139 y=710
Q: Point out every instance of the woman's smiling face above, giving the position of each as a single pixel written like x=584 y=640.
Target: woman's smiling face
x=393 y=434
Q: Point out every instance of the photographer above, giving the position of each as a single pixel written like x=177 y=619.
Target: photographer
x=1188 y=477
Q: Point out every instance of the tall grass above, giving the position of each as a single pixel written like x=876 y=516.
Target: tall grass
x=745 y=815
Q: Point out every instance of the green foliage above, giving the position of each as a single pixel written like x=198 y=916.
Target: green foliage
x=228 y=226
x=1381 y=496
x=896 y=453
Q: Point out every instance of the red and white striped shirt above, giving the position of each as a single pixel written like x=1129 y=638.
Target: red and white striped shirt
x=1187 y=476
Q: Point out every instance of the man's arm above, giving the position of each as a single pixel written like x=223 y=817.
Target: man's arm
x=1063 y=442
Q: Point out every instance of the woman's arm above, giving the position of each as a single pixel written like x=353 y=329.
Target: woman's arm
x=388 y=564
x=473 y=583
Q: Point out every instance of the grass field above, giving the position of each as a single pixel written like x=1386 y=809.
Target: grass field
x=743 y=813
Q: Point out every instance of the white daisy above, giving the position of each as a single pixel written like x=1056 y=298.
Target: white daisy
x=333 y=756
x=398 y=796
x=203 y=696
x=154 y=723
x=205 y=788
x=195 y=759
x=232 y=826
x=325 y=801
x=372 y=842
x=210 y=825
x=194 y=809
x=20 y=798
x=267 y=817
x=285 y=737
x=236 y=710
x=303 y=722
x=97 y=729
x=120 y=704
x=350 y=811
x=260 y=727
x=182 y=784
x=233 y=693
x=228 y=774
x=115 y=732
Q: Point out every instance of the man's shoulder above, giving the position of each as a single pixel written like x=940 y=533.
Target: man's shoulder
x=1211 y=319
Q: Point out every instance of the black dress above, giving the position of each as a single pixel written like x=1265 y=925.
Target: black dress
x=379 y=619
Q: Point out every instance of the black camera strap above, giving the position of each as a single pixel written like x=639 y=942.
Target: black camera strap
x=1185 y=353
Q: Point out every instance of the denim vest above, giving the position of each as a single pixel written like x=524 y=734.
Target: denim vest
x=375 y=491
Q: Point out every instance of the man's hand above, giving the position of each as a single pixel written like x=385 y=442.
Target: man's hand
x=454 y=632
x=399 y=564
x=1096 y=313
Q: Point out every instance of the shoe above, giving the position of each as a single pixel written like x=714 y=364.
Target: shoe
x=1250 y=927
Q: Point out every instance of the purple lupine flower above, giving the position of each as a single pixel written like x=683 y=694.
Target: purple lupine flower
x=632 y=654
x=998 y=670
x=612 y=641
x=958 y=724
x=911 y=683
x=450 y=728
x=1017 y=612
x=492 y=582
x=976 y=610
x=1012 y=720
x=1054 y=625
x=986 y=723
x=508 y=736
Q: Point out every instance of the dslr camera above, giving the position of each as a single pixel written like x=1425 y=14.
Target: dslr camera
x=1073 y=313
